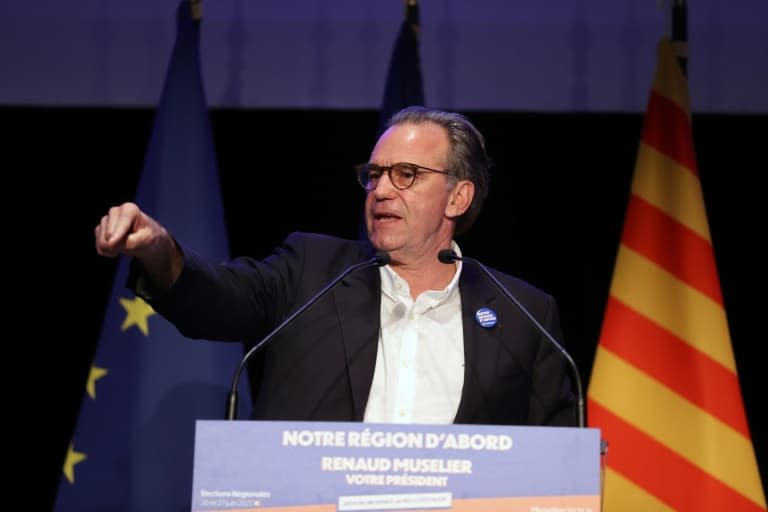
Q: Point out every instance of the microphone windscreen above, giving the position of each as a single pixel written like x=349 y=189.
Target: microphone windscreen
x=447 y=256
x=382 y=258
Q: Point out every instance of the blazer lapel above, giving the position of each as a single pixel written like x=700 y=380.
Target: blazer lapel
x=481 y=347
x=358 y=300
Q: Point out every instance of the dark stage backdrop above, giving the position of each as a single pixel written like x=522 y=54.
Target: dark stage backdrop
x=553 y=217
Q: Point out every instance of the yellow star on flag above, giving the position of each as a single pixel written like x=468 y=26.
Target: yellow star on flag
x=138 y=312
x=95 y=374
x=73 y=458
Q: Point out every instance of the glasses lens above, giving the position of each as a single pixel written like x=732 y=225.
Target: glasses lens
x=403 y=175
x=367 y=174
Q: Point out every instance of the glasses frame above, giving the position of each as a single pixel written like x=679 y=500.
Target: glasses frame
x=364 y=168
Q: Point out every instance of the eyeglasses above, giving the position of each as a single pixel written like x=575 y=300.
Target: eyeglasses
x=402 y=174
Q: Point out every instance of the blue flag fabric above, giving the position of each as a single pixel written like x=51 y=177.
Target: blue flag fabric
x=133 y=445
x=404 y=86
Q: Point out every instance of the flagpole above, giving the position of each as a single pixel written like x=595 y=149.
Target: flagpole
x=196 y=8
x=412 y=14
x=679 y=33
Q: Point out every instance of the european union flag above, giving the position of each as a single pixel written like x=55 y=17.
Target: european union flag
x=133 y=444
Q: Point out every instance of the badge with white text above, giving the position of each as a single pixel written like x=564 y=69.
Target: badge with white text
x=486 y=317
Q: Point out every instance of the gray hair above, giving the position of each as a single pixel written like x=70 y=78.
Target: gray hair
x=467 y=158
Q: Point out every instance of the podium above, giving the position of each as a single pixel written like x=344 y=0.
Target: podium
x=329 y=466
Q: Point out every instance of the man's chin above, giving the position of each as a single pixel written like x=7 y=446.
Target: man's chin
x=382 y=244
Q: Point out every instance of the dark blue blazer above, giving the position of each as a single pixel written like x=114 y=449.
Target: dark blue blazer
x=321 y=366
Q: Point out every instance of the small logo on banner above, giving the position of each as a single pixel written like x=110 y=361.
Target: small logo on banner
x=486 y=317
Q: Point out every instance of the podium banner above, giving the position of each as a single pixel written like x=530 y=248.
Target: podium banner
x=329 y=466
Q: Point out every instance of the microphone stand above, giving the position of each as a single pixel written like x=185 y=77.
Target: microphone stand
x=450 y=256
x=380 y=259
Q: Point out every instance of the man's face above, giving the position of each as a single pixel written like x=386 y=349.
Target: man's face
x=412 y=223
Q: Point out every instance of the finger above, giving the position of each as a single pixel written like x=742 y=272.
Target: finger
x=105 y=247
x=120 y=222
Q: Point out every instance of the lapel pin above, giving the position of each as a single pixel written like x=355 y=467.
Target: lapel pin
x=486 y=317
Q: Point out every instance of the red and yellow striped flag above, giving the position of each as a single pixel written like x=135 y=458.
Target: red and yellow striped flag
x=664 y=387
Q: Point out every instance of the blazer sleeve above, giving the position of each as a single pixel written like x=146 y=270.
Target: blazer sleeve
x=232 y=301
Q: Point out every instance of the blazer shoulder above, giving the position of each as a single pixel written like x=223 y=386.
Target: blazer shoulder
x=326 y=249
x=516 y=285
x=476 y=286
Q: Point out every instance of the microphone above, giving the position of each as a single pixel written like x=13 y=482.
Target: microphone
x=450 y=256
x=380 y=259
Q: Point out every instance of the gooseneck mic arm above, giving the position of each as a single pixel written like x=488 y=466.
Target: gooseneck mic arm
x=450 y=256
x=379 y=260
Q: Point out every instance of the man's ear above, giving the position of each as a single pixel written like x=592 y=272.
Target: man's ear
x=460 y=198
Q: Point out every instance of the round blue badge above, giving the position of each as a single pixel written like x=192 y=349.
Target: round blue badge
x=486 y=317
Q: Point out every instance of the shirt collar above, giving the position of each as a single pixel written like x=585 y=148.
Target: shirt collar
x=393 y=285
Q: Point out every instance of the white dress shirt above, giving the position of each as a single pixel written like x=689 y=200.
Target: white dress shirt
x=419 y=370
